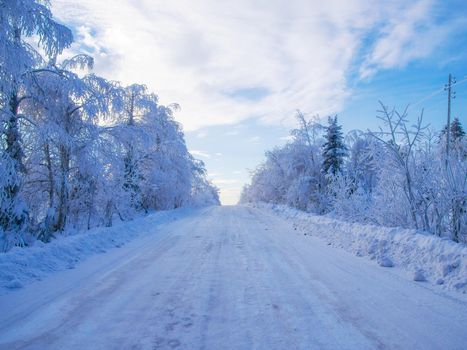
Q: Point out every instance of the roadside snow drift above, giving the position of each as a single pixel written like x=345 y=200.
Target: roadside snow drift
x=425 y=257
x=20 y=266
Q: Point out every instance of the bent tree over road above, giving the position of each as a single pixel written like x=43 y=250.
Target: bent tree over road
x=231 y=278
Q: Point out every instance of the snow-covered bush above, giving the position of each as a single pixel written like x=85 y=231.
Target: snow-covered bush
x=292 y=174
x=398 y=176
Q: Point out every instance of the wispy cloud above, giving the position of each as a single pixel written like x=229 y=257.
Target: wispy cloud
x=226 y=181
x=409 y=34
x=201 y=134
x=270 y=57
x=286 y=138
x=198 y=153
x=254 y=139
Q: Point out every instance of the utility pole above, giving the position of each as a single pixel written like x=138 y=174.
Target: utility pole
x=451 y=95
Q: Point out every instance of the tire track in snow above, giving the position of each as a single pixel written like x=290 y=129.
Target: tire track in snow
x=236 y=278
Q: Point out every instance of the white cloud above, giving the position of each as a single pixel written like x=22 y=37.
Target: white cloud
x=407 y=35
x=226 y=181
x=254 y=139
x=201 y=134
x=198 y=153
x=299 y=53
x=286 y=138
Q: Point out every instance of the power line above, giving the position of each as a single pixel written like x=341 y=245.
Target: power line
x=437 y=92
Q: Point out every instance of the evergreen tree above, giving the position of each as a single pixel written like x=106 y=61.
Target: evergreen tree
x=457 y=140
x=457 y=132
x=334 y=149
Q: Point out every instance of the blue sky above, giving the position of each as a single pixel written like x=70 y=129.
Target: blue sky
x=240 y=69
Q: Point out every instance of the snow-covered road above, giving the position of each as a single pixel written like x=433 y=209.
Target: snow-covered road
x=231 y=278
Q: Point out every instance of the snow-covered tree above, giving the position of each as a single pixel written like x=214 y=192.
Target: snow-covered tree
x=20 y=20
x=361 y=166
x=352 y=190
x=203 y=192
x=334 y=149
x=456 y=180
x=457 y=142
x=77 y=149
x=292 y=174
x=64 y=108
x=397 y=176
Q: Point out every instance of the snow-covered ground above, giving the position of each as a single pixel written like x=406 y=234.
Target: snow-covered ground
x=423 y=257
x=229 y=278
x=20 y=266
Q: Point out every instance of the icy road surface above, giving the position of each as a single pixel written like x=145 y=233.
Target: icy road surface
x=231 y=278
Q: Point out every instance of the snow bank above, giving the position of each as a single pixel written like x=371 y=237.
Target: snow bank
x=21 y=266
x=425 y=257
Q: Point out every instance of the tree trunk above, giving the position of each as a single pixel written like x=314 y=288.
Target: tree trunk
x=63 y=194
x=10 y=217
x=458 y=209
x=108 y=213
x=50 y=174
x=411 y=197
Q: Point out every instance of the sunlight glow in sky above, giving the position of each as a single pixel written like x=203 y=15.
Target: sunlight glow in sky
x=240 y=69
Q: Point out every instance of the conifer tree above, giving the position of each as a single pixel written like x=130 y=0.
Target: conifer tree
x=457 y=141
x=334 y=149
x=457 y=132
